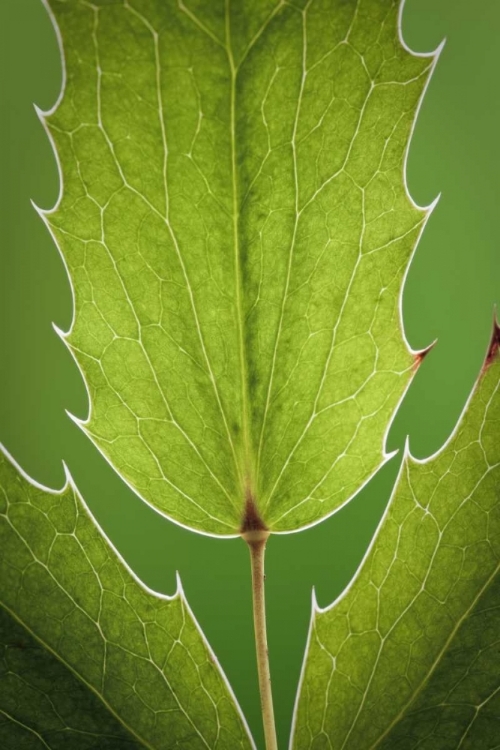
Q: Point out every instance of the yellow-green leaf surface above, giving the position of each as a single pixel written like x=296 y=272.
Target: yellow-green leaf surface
x=409 y=656
x=237 y=230
x=91 y=659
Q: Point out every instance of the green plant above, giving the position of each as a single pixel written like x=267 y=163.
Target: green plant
x=237 y=235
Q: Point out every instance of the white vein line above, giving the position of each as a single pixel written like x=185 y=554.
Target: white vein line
x=262 y=29
x=423 y=582
x=138 y=419
x=25 y=727
x=189 y=13
x=268 y=134
x=476 y=714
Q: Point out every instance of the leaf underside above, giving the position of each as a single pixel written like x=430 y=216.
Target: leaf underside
x=45 y=705
x=90 y=658
x=409 y=656
x=236 y=228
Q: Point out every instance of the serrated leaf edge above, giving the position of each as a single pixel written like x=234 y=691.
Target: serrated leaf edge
x=64 y=335
x=178 y=594
x=407 y=460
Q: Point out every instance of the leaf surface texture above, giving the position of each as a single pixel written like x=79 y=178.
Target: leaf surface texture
x=90 y=657
x=409 y=656
x=236 y=228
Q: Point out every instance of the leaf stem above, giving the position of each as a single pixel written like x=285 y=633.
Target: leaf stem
x=256 y=540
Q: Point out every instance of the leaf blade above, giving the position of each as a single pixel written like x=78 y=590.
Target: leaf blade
x=237 y=236
x=44 y=701
x=141 y=654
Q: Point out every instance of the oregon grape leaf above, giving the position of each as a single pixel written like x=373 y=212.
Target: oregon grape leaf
x=236 y=227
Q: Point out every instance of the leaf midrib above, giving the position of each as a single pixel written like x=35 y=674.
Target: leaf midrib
x=246 y=472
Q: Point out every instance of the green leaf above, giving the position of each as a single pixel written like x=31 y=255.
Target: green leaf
x=408 y=656
x=44 y=705
x=237 y=230
x=94 y=659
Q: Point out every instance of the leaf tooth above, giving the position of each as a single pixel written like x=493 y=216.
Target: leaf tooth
x=43 y=117
x=419 y=356
x=78 y=420
x=315 y=607
x=494 y=345
x=428 y=211
x=63 y=335
x=179 y=588
x=68 y=481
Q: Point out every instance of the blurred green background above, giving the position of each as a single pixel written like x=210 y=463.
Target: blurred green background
x=449 y=296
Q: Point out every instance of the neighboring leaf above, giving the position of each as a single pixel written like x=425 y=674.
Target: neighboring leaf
x=409 y=656
x=237 y=230
x=146 y=676
x=43 y=705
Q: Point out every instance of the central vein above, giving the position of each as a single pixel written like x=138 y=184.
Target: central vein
x=246 y=469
